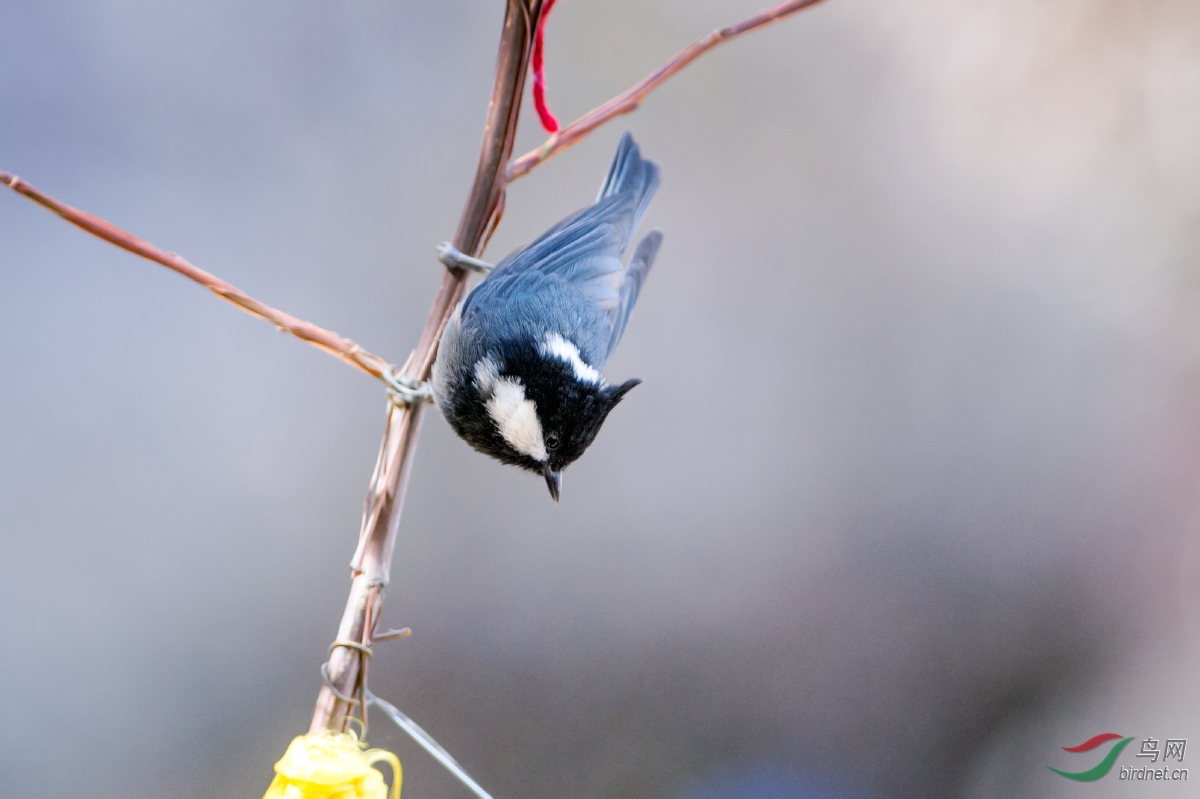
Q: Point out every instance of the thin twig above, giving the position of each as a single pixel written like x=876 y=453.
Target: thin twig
x=326 y=340
x=630 y=99
x=371 y=564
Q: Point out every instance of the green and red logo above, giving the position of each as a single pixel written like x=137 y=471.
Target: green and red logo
x=1101 y=768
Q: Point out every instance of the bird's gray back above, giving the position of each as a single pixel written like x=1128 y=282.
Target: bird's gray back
x=572 y=275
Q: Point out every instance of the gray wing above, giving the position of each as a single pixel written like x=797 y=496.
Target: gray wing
x=635 y=276
x=585 y=249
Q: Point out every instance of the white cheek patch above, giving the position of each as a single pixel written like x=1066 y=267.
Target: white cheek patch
x=555 y=346
x=515 y=417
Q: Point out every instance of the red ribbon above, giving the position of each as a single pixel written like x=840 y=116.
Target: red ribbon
x=549 y=121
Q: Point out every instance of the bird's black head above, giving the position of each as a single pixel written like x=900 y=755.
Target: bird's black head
x=541 y=407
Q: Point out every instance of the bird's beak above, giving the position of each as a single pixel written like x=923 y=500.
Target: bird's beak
x=554 y=483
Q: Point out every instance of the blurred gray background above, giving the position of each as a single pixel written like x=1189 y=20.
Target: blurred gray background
x=908 y=499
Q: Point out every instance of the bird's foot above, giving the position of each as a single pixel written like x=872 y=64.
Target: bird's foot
x=454 y=259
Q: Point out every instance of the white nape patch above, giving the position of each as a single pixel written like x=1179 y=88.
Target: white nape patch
x=486 y=375
x=515 y=417
x=558 y=347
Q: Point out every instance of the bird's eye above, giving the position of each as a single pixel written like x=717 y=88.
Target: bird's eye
x=552 y=440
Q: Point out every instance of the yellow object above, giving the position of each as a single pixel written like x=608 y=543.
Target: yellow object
x=332 y=765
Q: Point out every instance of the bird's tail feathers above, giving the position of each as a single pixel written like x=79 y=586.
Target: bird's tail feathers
x=629 y=172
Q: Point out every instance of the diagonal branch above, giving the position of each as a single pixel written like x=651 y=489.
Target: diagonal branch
x=630 y=99
x=323 y=339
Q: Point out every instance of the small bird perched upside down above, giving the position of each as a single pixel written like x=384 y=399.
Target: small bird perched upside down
x=518 y=372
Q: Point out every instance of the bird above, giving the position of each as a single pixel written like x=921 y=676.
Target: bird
x=519 y=371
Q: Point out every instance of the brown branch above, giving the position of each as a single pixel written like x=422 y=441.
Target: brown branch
x=326 y=340
x=371 y=564
x=630 y=99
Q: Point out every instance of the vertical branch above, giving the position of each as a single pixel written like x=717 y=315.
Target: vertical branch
x=371 y=564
